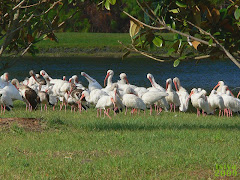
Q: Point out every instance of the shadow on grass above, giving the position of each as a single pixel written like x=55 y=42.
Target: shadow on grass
x=148 y=127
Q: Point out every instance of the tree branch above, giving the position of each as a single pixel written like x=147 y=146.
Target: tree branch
x=229 y=55
x=134 y=49
x=169 y=29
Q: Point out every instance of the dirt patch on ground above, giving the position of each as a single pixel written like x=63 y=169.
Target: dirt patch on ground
x=30 y=124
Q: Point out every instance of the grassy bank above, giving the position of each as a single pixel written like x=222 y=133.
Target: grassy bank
x=87 y=44
x=81 y=146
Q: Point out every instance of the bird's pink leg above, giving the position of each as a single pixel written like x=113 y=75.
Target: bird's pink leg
x=65 y=107
x=71 y=108
x=107 y=114
x=226 y=112
x=26 y=107
x=1 y=108
x=46 y=107
x=174 y=107
x=170 y=107
x=80 y=107
x=133 y=110
x=150 y=109
x=219 y=113
x=4 y=109
x=198 y=112
x=53 y=108
x=100 y=112
x=202 y=112
x=160 y=110
x=126 y=111
x=41 y=107
x=97 y=112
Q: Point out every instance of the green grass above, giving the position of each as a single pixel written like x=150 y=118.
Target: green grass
x=86 y=40
x=89 y=44
x=81 y=146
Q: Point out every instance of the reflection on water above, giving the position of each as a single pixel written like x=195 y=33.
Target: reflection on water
x=206 y=74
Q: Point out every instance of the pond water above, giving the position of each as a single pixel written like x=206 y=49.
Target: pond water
x=205 y=74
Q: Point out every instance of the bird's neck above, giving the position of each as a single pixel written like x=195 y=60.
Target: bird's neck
x=109 y=81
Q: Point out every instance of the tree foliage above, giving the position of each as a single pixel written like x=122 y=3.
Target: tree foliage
x=212 y=30
x=23 y=23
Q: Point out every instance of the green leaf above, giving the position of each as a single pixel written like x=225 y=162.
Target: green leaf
x=170 y=51
x=237 y=14
x=185 y=23
x=182 y=57
x=174 y=25
x=181 y=4
x=70 y=1
x=210 y=42
x=175 y=11
x=176 y=63
x=112 y=2
x=156 y=10
x=216 y=34
x=158 y=41
x=107 y=5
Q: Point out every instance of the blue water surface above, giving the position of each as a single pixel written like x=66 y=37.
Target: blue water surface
x=204 y=74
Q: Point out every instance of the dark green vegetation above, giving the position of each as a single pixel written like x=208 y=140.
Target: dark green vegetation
x=81 y=146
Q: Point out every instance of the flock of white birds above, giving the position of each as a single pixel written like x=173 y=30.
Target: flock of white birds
x=41 y=89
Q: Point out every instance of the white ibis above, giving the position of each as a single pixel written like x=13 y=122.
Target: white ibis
x=4 y=80
x=5 y=101
x=182 y=93
x=172 y=98
x=131 y=100
x=108 y=78
x=44 y=98
x=216 y=101
x=156 y=87
x=93 y=84
x=200 y=101
x=194 y=99
x=77 y=83
x=106 y=102
x=151 y=97
x=231 y=103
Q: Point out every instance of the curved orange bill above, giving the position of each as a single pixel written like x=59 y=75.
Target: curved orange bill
x=82 y=97
x=126 y=80
x=238 y=94
x=34 y=77
x=230 y=92
x=150 y=79
x=166 y=85
x=106 y=79
x=113 y=102
x=189 y=96
x=216 y=86
x=176 y=86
